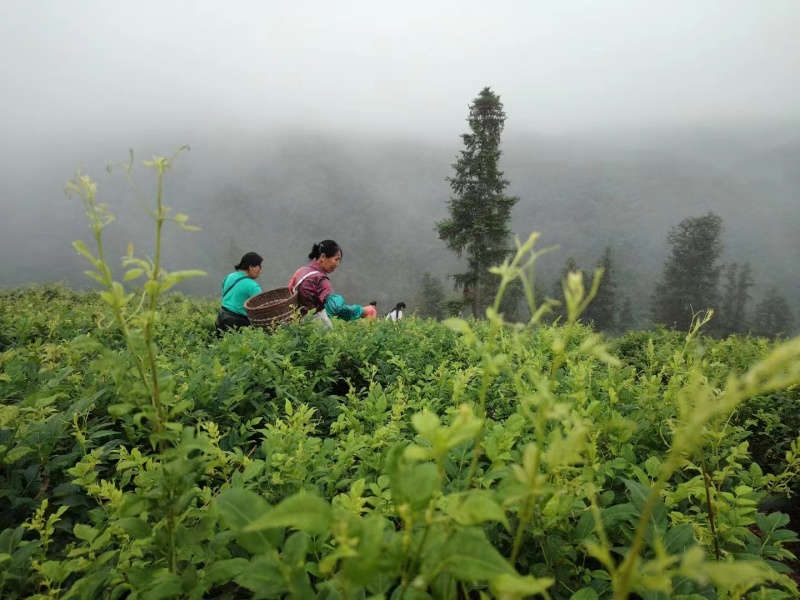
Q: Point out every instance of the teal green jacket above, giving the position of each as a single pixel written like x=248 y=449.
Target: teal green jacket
x=236 y=289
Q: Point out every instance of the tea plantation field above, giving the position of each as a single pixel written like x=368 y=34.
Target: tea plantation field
x=388 y=460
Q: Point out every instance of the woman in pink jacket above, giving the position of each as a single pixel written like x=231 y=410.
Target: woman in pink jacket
x=314 y=290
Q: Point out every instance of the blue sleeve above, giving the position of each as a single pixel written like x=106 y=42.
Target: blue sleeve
x=335 y=307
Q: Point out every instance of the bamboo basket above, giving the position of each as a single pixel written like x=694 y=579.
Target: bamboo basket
x=269 y=309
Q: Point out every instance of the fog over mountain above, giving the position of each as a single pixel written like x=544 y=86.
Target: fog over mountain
x=312 y=122
x=379 y=197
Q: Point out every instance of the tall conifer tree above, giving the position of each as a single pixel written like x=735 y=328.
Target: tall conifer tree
x=480 y=209
x=690 y=281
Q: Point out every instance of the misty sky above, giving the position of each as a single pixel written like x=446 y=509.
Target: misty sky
x=92 y=68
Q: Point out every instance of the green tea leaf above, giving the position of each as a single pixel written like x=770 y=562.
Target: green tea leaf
x=639 y=494
x=469 y=556
x=15 y=454
x=223 y=571
x=84 y=532
x=239 y=508
x=511 y=586
x=133 y=274
x=362 y=569
x=304 y=512
x=584 y=528
x=263 y=577
x=475 y=507
x=677 y=539
x=134 y=527
x=586 y=593
x=412 y=484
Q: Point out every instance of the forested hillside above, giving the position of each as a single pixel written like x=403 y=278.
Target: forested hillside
x=380 y=198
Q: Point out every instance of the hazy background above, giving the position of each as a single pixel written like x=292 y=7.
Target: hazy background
x=341 y=120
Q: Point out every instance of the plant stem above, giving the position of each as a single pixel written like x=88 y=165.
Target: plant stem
x=476 y=450
x=706 y=484
x=525 y=517
x=148 y=323
x=670 y=465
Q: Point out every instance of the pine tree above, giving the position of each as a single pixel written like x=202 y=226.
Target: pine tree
x=691 y=273
x=742 y=297
x=453 y=307
x=625 y=318
x=602 y=309
x=727 y=307
x=773 y=316
x=511 y=306
x=735 y=298
x=480 y=210
x=430 y=298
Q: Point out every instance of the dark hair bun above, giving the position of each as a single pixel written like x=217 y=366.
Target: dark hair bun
x=327 y=247
x=251 y=259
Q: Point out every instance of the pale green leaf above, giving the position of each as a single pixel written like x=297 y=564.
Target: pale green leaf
x=475 y=507
x=516 y=587
x=133 y=274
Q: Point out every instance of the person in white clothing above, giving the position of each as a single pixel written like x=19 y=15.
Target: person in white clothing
x=397 y=312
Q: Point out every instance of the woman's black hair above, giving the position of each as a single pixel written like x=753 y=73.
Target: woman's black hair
x=327 y=247
x=251 y=259
x=400 y=306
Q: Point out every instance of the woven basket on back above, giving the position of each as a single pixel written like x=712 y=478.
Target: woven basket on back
x=270 y=309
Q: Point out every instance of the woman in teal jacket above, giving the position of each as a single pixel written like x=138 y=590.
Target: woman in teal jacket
x=236 y=289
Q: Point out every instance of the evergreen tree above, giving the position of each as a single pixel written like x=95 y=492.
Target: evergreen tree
x=736 y=296
x=691 y=273
x=512 y=303
x=773 y=316
x=430 y=298
x=729 y=299
x=602 y=309
x=480 y=210
x=453 y=307
x=625 y=318
x=742 y=297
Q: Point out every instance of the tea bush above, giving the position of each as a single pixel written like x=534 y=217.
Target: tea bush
x=142 y=457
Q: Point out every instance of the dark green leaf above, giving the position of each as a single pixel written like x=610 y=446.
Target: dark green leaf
x=639 y=494
x=301 y=511
x=585 y=527
x=264 y=578
x=223 y=571
x=586 y=593
x=162 y=586
x=619 y=513
x=469 y=556
x=412 y=484
x=238 y=509
x=677 y=539
x=134 y=527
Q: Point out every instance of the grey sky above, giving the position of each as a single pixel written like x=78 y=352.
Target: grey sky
x=413 y=67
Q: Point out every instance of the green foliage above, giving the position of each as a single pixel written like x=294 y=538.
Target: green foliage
x=773 y=316
x=624 y=319
x=690 y=281
x=430 y=300
x=602 y=311
x=464 y=459
x=480 y=210
x=735 y=298
x=340 y=450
